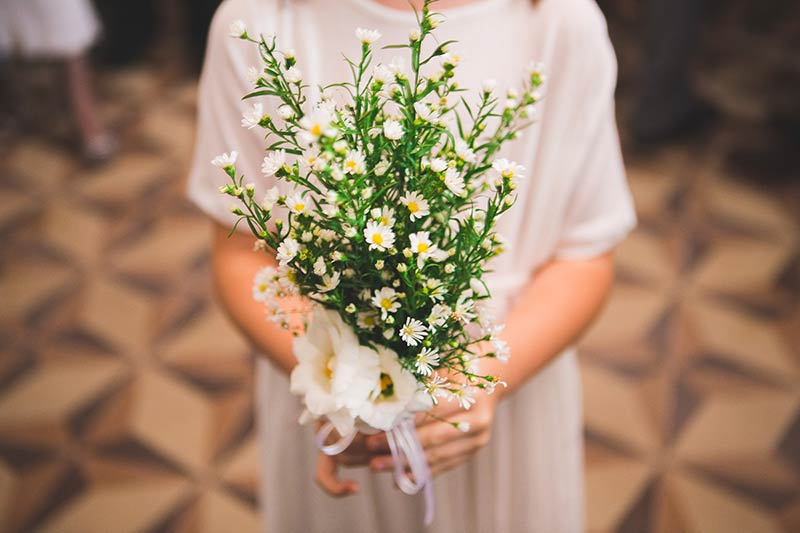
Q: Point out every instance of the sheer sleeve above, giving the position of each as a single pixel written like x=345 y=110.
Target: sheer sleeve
x=219 y=111
x=599 y=211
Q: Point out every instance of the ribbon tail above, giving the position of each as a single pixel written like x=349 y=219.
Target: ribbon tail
x=404 y=444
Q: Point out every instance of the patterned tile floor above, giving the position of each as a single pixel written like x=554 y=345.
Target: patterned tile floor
x=125 y=395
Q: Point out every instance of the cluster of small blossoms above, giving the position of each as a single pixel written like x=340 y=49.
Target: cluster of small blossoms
x=393 y=191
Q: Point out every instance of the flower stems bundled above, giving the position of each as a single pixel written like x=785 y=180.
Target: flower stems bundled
x=396 y=195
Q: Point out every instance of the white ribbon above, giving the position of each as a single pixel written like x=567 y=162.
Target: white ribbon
x=406 y=450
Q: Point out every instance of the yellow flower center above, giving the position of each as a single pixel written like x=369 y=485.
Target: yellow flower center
x=413 y=207
x=350 y=164
x=386 y=303
x=387 y=385
x=299 y=206
x=316 y=130
x=422 y=248
x=370 y=321
x=508 y=173
x=377 y=238
x=262 y=287
x=329 y=367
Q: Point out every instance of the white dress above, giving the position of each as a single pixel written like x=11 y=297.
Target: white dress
x=47 y=28
x=574 y=203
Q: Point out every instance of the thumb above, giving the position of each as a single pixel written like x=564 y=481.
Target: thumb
x=327 y=477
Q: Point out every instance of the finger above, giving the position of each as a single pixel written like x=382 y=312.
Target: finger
x=443 y=466
x=381 y=463
x=352 y=459
x=377 y=444
x=328 y=480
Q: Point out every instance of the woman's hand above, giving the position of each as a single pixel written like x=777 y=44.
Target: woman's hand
x=445 y=446
x=327 y=473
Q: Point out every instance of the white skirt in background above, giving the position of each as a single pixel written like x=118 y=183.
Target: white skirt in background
x=47 y=28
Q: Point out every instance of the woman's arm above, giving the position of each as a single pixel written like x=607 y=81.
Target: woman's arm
x=234 y=266
x=554 y=308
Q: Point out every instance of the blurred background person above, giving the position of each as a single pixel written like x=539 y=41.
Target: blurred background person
x=63 y=30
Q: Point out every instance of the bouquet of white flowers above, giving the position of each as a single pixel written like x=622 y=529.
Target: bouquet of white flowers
x=387 y=231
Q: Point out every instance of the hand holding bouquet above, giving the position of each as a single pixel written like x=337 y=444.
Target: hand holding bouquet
x=386 y=233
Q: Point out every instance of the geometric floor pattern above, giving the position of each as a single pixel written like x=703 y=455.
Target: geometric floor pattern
x=126 y=396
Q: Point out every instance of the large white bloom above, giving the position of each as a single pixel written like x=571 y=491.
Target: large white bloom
x=378 y=236
x=225 y=160
x=273 y=162
x=416 y=204
x=253 y=116
x=395 y=395
x=367 y=36
x=335 y=376
x=393 y=130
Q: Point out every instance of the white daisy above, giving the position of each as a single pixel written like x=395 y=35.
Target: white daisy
x=454 y=182
x=293 y=75
x=225 y=160
x=287 y=250
x=354 y=162
x=464 y=151
x=263 y=288
x=501 y=350
x=464 y=395
x=465 y=308
x=422 y=246
x=416 y=204
x=378 y=236
x=285 y=112
x=436 y=387
x=392 y=130
x=329 y=282
x=273 y=162
x=413 y=331
x=316 y=124
x=237 y=29
x=252 y=117
x=253 y=75
x=438 y=315
x=426 y=360
x=367 y=319
x=508 y=169
x=367 y=36
x=438 y=164
x=383 y=74
x=489 y=85
x=296 y=204
x=320 y=267
x=424 y=112
x=385 y=299
x=270 y=198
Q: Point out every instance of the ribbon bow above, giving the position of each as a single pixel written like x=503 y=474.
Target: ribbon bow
x=406 y=449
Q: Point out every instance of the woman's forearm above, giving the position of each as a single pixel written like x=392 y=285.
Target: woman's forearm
x=234 y=267
x=555 y=307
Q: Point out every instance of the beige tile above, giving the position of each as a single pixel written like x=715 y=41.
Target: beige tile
x=751 y=342
x=209 y=347
x=118 y=314
x=166 y=250
x=123 y=507
x=646 y=257
x=74 y=230
x=173 y=418
x=612 y=488
x=58 y=389
x=40 y=165
x=125 y=180
x=241 y=468
x=750 y=209
x=628 y=317
x=27 y=285
x=742 y=266
x=737 y=426
x=613 y=408
x=708 y=508
x=8 y=490
x=221 y=511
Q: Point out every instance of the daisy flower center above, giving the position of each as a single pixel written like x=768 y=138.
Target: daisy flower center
x=508 y=173
x=299 y=206
x=316 y=130
x=413 y=207
x=377 y=238
x=351 y=164
x=262 y=287
x=422 y=248
x=386 y=303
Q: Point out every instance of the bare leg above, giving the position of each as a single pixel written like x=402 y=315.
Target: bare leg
x=98 y=143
